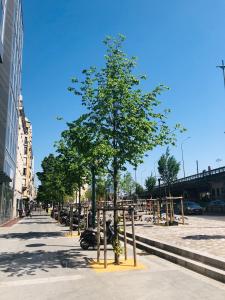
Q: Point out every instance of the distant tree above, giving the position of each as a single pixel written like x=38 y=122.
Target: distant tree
x=139 y=189
x=150 y=183
x=127 y=184
x=168 y=168
x=52 y=178
x=100 y=187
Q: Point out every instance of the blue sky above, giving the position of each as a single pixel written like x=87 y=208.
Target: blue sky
x=177 y=42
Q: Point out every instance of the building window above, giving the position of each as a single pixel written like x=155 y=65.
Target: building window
x=25 y=150
x=24 y=171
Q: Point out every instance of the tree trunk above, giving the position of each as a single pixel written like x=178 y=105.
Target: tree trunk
x=79 y=207
x=93 y=196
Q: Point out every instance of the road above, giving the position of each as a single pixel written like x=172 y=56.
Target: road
x=38 y=262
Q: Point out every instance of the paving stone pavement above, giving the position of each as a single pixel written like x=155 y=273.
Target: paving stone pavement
x=205 y=234
x=38 y=262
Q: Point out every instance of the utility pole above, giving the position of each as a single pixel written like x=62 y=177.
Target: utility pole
x=197 y=166
x=222 y=67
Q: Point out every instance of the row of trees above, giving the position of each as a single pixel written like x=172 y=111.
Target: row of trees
x=168 y=169
x=121 y=123
x=57 y=187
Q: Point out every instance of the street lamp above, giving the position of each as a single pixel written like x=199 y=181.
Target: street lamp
x=222 y=67
x=182 y=152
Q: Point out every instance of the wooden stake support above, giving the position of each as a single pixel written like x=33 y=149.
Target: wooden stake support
x=182 y=209
x=105 y=239
x=71 y=219
x=158 y=212
x=124 y=235
x=167 y=214
x=134 y=241
x=98 y=236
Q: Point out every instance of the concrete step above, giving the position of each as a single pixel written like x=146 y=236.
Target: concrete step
x=201 y=268
x=190 y=264
x=210 y=260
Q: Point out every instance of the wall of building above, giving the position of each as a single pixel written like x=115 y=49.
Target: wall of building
x=10 y=89
x=21 y=162
x=28 y=174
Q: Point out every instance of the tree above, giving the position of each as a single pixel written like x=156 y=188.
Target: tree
x=126 y=118
x=168 y=168
x=139 y=189
x=150 y=183
x=127 y=184
x=85 y=154
x=53 y=187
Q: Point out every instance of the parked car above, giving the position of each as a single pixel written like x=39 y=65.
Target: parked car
x=217 y=206
x=191 y=208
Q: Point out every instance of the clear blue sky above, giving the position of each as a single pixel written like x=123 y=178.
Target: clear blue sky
x=177 y=42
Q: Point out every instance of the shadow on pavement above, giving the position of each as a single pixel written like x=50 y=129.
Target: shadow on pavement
x=29 y=263
x=36 y=245
x=204 y=237
x=31 y=234
x=34 y=222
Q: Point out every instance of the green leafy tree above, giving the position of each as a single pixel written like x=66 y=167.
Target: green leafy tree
x=139 y=189
x=127 y=119
x=85 y=154
x=127 y=184
x=150 y=183
x=52 y=188
x=168 y=168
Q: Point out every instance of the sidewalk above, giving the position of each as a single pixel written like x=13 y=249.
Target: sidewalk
x=38 y=262
x=205 y=234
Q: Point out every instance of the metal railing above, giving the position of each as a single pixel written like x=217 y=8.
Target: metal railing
x=201 y=175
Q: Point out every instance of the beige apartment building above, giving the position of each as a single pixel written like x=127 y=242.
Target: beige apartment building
x=20 y=162
x=28 y=171
x=24 y=183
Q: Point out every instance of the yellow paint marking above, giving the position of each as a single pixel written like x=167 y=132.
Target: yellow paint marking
x=71 y=235
x=127 y=265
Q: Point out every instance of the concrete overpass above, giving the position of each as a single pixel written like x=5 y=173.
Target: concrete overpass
x=206 y=185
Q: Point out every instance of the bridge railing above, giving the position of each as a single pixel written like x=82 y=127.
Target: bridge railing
x=201 y=175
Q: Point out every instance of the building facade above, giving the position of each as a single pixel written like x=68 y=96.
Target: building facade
x=11 y=44
x=21 y=162
x=28 y=170
x=24 y=190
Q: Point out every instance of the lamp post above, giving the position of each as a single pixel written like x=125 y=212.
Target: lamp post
x=222 y=67
x=182 y=152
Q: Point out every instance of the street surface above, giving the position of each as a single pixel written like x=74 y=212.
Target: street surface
x=38 y=262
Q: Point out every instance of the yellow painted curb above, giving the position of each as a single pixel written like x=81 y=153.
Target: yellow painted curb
x=127 y=265
x=69 y=235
